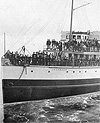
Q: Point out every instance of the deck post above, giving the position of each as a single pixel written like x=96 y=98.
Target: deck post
x=1 y=91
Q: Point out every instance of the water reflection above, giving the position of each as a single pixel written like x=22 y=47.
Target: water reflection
x=76 y=109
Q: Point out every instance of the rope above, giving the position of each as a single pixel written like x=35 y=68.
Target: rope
x=21 y=73
x=13 y=83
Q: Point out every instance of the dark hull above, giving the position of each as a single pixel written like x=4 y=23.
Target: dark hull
x=28 y=90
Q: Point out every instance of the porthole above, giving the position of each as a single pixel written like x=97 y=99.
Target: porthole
x=73 y=71
x=31 y=70
x=48 y=71
x=85 y=71
x=79 y=71
x=66 y=71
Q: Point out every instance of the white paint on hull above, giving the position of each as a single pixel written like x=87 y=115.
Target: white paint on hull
x=51 y=72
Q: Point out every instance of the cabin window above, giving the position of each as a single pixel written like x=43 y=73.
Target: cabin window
x=74 y=36
x=85 y=37
x=66 y=36
x=78 y=36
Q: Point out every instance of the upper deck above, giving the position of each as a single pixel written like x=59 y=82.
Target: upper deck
x=82 y=52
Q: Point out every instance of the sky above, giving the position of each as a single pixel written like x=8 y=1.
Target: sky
x=32 y=22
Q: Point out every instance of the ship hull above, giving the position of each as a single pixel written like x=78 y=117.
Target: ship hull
x=29 y=90
x=44 y=85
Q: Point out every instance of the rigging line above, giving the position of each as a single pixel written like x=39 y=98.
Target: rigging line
x=64 y=20
x=20 y=50
x=80 y=20
x=98 y=6
x=25 y=25
x=36 y=34
x=61 y=15
x=85 y=13
x=82 y=6
x=33 y=24
x=23 y=28
x=88 y=20
x=28 y=52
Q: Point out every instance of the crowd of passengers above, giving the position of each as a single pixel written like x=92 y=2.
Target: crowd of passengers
x=59 y=58
x=74 y=45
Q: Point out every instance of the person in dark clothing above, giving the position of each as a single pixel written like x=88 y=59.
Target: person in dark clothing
x=33 y=58
x=48 y=43
x=60 y=46
x=39 y=59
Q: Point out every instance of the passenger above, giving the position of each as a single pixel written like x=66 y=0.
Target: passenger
x=34 y=59
x=60 y=46
x=12 y=58
x=39 y=58
x=48 y=43
x=42 y=58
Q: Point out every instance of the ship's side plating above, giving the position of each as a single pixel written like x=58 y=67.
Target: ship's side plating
x=41 y=82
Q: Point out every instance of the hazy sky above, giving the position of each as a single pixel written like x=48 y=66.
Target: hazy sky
x=32 y=22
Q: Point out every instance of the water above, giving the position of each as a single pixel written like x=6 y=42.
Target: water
x=76 y=109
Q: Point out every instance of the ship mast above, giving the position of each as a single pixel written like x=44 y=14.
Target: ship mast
x=71 y=21
x=70 y=36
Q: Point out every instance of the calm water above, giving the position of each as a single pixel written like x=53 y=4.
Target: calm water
x=76 y=109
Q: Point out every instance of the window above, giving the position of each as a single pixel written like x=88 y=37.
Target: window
x=74 y=36
x=85 y=37
x=78 y=36
x=66 y=36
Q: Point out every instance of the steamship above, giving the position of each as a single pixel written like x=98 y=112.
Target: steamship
x=36 y=82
